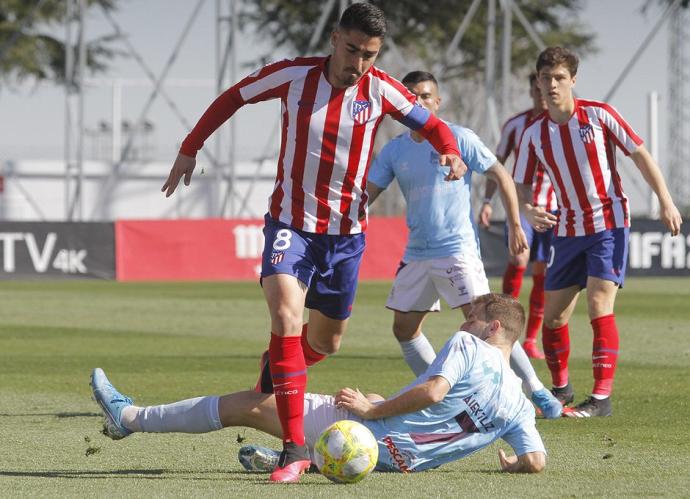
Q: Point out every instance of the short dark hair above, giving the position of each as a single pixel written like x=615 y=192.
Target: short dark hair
x=505 y=309
x=532 y=77
x=364 y=17
x=414 y=77
x=555 y=56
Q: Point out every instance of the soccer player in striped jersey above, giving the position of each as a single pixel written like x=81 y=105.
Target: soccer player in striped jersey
x=539 y=242
x=332 y=107
x=576 y=141
x=442 y=257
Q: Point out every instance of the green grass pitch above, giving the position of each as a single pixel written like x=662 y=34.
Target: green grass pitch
x=163 y=342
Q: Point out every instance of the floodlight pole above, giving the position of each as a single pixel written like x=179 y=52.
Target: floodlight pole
x=506 y=56
x=679 y=107
x=653 y=111
x=116 y=153
x=74 y=108
x=490 y=70
x=226 y=74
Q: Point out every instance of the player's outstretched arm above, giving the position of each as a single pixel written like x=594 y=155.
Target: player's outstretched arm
x=420 y=397
x=183 y=166
x=668 y=213
x=517 y=241
x=529 y=462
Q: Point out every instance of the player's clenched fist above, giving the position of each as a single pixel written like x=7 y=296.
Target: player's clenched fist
x=184 y=165
x=457 y=166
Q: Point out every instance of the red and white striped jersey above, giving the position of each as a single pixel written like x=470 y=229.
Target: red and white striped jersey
x=542 y=190
x=580 y=158
x=327 y=138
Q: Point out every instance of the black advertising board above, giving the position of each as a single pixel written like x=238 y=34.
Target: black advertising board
x=60 y=250
x=651 y=252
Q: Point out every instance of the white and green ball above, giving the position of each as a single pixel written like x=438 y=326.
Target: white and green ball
x=346 y=452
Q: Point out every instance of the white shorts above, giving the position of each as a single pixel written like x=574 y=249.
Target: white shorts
x=420 y=283
x=320 y=412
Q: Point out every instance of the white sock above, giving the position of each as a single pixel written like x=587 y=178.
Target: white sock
x=197 y=415
x=520 y=363
x=418 y=353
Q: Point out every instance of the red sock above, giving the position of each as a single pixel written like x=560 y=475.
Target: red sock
x=556 y=343
x=289 y=375
x=536 y=307
x=311 y=356
x=604 y=353
x=512 y=280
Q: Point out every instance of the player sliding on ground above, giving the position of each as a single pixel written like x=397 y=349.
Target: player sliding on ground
x=468 y=398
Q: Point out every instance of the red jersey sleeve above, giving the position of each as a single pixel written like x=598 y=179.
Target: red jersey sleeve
x=269 y=82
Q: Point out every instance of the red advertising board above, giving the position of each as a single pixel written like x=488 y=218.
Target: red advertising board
x=222 y=249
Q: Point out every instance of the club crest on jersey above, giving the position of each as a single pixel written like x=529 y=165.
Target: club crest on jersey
x=587 y=133
x=361 y=110
x=277 y=257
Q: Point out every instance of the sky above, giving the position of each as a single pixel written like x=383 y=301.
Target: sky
x=32 y=124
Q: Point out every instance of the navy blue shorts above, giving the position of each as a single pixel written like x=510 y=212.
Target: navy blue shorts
x=538 y=242
x=327 y=264
x=573 y=259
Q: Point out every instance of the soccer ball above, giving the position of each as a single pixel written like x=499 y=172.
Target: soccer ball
x=346 y=452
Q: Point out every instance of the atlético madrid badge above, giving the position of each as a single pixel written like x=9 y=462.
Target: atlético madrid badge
x=361 y=109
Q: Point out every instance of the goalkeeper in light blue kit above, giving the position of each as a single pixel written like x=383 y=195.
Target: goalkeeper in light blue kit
x=442 y=258
x=468 y=398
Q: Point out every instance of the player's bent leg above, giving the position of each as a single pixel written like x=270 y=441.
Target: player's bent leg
x=407 y=325
x=285 y=296
x=416 y=349
x=323 y=336
x=601 y=297
x=559 y=305
x=251 y=409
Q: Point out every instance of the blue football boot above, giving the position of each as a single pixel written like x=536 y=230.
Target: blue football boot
x=112 y=402
x=548 y=404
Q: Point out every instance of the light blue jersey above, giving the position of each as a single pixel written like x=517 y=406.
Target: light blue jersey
x=485 y=402
x=439 y=213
